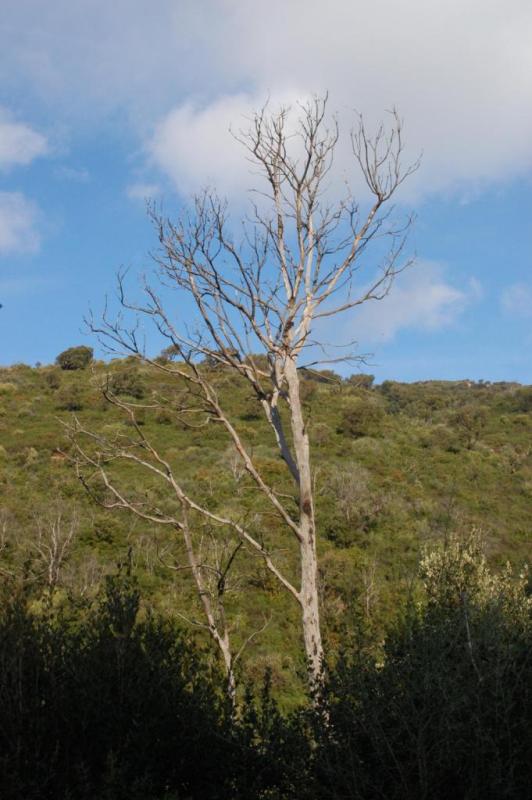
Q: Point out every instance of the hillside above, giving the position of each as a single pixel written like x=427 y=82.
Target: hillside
x=397 y=466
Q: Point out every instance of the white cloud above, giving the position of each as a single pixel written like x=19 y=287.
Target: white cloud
x=18 y=224
x=517 y=299
x=421 y=299
x=196 y=145
x=460 y=72
x=143 y=191
x=19 y=144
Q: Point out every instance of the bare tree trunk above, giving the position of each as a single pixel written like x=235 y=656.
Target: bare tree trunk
x=308 y=594
x=310 y=606
x=217 y=628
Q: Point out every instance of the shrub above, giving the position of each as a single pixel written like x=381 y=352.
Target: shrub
x=523 y=399
x=70 y=398
x=361 y=380
x=25 y=410
x=327 y=376
x=447 y=711
x=110 y=707
x=307 y=391
x=470 y=421
x=164 y=417
x=75 y=358
x=127 y=382
x=363 y=417
x=321 y=434
x=52 y=379
x=32 y=456
x=251 y=410
x=350 y=506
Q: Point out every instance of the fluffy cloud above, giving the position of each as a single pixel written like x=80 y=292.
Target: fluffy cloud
x=19 y=144
x=143 y=191
x=460 y=72
x=18 y=218
x=196 y=145
x=421 y=299
x=517 y=299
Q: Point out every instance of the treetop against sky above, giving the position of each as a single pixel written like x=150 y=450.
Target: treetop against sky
x=103 y=106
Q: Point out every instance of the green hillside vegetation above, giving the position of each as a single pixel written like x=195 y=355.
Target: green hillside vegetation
x=397 y=467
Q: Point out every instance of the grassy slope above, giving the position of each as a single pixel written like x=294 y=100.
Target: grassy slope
x=427 y=459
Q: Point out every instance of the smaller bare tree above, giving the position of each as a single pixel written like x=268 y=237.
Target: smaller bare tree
x=211 y=560
x=5 y=542
x=56 y=532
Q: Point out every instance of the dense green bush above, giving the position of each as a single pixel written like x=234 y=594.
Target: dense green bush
x=52 y=379
x=70 y=398
x=447 y=712
x=108 y=708
x=350 y=506
x=75 y=357
x=363 y=417
x=523 y=399
x=361 y=380
x=470 y=421
x=127 y=382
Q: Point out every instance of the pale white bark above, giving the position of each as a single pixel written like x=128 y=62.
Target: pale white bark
x=308 y=593
x=217 y=628
x=55 y=535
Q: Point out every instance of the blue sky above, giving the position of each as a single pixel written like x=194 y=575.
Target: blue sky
x=104 y=104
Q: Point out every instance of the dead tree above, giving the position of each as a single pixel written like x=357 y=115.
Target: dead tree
x=55 y=535
x=210 y=561
x=302 y=256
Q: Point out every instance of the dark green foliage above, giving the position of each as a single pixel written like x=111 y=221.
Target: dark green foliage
x=52 y=379
x=447 y=713
x=75 y=357
x=127 y=382
x=274 y=751
x=308 y=391
x=361 y=380
x=109 y=708
x=70 y=398
x=426 y=724
x=363 y=417
x=169 y=353
x=118 y=705
x=523 y=399
x=252 y=410
x=470 y=421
